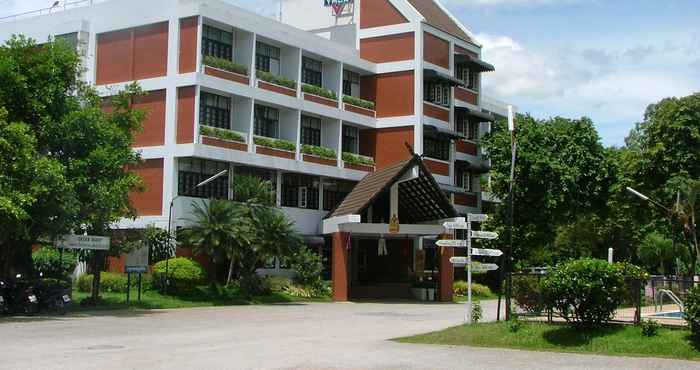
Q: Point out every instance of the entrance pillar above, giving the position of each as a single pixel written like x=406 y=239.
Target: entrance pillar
x=340 y=273
x=446 y=274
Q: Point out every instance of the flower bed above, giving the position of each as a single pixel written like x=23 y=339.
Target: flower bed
x=275 y=143
x=226 y=65
x=221 y=133
x=275 y=79
x=366 y=104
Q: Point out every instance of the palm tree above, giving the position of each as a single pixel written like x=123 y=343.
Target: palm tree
x=686 y=205
x=218 y=230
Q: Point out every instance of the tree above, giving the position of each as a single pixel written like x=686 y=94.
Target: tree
x=658 y=252
x=561 y=175
x=79 y=150
x=684 y=211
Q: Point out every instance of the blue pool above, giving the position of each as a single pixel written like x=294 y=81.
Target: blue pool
x=670 y=315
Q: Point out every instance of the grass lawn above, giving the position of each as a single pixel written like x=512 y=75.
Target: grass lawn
x=612 y=340
x=199 y=298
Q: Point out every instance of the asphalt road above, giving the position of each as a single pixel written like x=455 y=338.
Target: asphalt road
x=296 y=336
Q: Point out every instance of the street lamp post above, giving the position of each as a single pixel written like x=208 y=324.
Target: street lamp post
x=170 y=216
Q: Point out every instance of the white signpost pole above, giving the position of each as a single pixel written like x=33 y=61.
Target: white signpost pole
x=469 y=272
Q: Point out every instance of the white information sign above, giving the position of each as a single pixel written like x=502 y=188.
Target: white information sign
x=452 y=243
x=459 y=260
x=486 y=252
x=484 y=235
x=484 y=267
x=476 y=217
x=83 y=242
x=456 y=225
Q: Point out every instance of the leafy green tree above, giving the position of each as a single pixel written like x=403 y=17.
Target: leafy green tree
x=79 y=151
x=561 y=175
x=659 y=253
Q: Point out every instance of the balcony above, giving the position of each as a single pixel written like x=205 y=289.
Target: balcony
x=224 y=120
x=226 y=52
x=277 y=67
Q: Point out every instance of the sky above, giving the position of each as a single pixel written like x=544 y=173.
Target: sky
x=604 y=59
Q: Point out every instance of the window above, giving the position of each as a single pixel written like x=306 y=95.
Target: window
x=310 y=131
x=192 y=171
x=350 y=139
x=436 y=147
x=463 y=178
x=437 y=93
x=334 y=191
x=217 y=43
x=267 y=58
x=259 y=173
x=466 y=125
x=299 y=191
x=266 y=121
x=311 y=72
x=351 y=83
x=463 y=73
x=214 y=110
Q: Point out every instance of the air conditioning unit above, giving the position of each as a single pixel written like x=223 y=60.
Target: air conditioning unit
x=303 y=197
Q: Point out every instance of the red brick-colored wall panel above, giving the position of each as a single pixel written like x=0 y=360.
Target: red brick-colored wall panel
x=340 y=267
x=446 y=274
x=188 y=45
x=153 y=132
x=436 y=112
x=465 y=96
x=388 y=145
x=149 y=202
x=185 y=114
x=393 y=93
x=466 y=147
x=377 y=13
x=150 y=51
x=436 y=50
x=468 y=200
x=390 y=48
x=114 y=61
x=437 y=168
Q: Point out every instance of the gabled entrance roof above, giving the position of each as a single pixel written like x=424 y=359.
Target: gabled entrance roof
x=420 y=199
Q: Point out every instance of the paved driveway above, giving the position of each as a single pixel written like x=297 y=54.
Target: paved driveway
x=297 y=336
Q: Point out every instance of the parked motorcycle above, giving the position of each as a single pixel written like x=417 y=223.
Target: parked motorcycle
x=53 y=298
x=19 y=297
x=3 y=302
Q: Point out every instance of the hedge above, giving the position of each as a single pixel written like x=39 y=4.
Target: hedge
x=275 y=79
x=320 y=91
x=359 y=102
x=319 y=151
x=357 y=159
x=109 y=282
x=184 y=273
x=275 y=143
x=220 y=133
x=225 y=64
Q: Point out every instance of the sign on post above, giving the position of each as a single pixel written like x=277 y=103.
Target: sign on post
x=83 y=242
x=482 y=267
x=459 y=260
x=452 y=243
x=484 y=235
x=456 y=225
x=476 y=217
x=486 y=252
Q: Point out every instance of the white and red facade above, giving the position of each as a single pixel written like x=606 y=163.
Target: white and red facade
x=384 y=51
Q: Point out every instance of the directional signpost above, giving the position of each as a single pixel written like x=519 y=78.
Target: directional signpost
x=467 y=261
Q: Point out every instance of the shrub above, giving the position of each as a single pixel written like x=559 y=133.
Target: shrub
x=226 y=65
x=109 y=282
x=319 y=151
x=476 y=312
x=692 y=311
x=478 y=290
x=221 y=133
x=649 y=327
x=254 y=285
x=184 y=274
x=320 y=91
x=308 y=268
x=586 y=291
x=357 y=159
x=275 y=143
x=49 y=262
x=275 y=79
x=515 y=324
x=278 y=283
x=527 y=293
x=301 y=291
x=358 y=102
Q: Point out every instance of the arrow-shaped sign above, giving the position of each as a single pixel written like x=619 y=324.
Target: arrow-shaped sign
x=460 y=261
x=484 y=235
x=476 y=217
x=452 y=243
x=478 y=267
x=456 y=225
x=486 y=252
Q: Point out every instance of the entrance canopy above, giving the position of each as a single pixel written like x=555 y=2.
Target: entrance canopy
x=403 y=200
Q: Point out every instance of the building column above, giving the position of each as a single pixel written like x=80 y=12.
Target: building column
x=340 y=267
x=446 y=274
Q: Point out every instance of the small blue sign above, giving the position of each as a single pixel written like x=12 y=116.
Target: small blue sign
x=136 y=269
